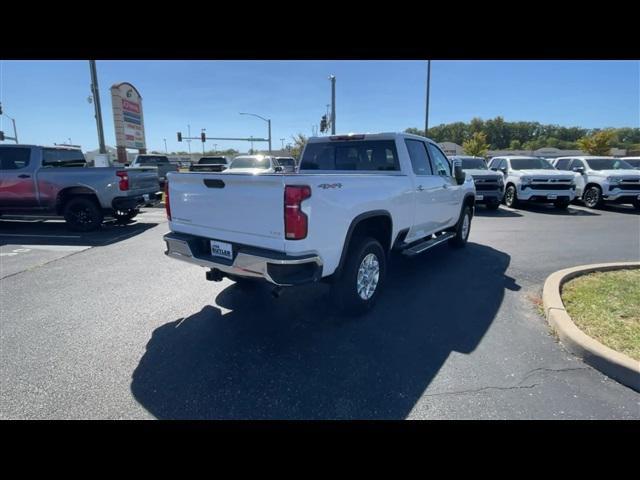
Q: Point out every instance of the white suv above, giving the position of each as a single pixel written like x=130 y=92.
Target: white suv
x=603 y=179
x=533 y=179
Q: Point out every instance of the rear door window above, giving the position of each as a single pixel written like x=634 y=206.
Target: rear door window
x=14 y=158
x=58 y=157
x=419 y=157
x=367 y=156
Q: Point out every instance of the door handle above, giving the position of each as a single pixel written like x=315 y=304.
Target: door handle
x=24 y=176
x=420 y=188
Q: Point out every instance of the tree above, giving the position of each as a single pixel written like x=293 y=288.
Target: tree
x=476 y=145
x=597 y=144
x=299 y=141
x=515 y=145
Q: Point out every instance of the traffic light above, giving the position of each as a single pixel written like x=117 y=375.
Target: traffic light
x=323 y=124
x=179 y=136
x=1 y=136
x=203 y=137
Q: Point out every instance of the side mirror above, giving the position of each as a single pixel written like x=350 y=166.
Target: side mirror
x=459 y=174
x=503 y=170
x=279 y=169
x=579 y=170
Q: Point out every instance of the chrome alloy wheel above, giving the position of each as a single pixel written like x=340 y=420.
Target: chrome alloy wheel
x=368 y=275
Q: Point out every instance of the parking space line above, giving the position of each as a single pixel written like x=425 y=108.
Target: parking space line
x=45 y=236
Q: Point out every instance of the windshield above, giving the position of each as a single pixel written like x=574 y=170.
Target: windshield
x=608 y=164
x=212 y=161
x=530 y=164
x=634 y=163
x=287 y=162
x=151 y=160
x=251 y=162
x=473 y=163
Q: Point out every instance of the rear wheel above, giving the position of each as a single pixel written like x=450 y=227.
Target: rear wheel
x=462 y=229
x=511 y=197
x=83 y=214
x=592 y=197
x=358 y=286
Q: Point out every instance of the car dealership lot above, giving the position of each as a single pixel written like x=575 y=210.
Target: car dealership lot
x=107 y=327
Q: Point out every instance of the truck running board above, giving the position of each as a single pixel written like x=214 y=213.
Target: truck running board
x=423 y=246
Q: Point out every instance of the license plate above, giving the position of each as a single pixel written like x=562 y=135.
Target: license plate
x=221 y=249
x=479 y=197
x=145 y=197
x=552 y=197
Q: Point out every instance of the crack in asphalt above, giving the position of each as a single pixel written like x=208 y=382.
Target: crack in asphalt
x=518 y=386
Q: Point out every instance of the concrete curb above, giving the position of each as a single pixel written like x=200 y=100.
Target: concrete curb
x=616 y=365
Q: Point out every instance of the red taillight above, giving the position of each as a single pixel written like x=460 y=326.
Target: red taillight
x=167 y=205
x=124 y=180
x=295 y=220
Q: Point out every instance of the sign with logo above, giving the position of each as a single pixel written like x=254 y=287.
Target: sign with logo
x=127 y=116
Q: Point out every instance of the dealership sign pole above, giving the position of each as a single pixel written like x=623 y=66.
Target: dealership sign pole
x=128 y=119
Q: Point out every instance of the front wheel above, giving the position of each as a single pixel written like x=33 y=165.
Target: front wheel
x=636 y=204
x=561 y=204
x=592 y=197
x=511 y=197
x=358 y=286
x=462 y=229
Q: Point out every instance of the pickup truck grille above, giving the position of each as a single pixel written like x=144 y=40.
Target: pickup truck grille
x=626 y=186
x=549 y=186
x=487 y=186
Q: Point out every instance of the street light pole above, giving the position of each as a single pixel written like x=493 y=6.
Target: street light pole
x=189 y=141
x=268 y=123
x=282 y=143
x=96 y=102
x=333 y=104
x=426 y=121
x=165 y=145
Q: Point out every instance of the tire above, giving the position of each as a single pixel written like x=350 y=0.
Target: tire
x=125 y=216
x=511 y=197
x=83 y=214
x=365 y=258
x=462 y=231
x=493 y=205
x=636 y=204
x=592 y=197
x=561 y=204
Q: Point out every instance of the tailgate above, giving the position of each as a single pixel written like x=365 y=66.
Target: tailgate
x=143 y=179
x=243 y=209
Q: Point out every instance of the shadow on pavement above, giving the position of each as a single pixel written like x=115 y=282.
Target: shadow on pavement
x=549 y=209
x=618 y=208
x=294 y=358
x=55 y=232
x=481 y=211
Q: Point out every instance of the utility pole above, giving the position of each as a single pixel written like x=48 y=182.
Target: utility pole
x=13 y=120
x=95 y=91
x=426 y=121
x=165 y=145
x=282 y=143
x=333 y=104
x=189 y=141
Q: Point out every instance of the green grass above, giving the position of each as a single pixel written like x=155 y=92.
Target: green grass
x=606 y=306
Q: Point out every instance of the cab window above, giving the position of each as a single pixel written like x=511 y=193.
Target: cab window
x=439 y=161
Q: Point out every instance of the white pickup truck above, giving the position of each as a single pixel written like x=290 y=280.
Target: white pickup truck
x=354 y=199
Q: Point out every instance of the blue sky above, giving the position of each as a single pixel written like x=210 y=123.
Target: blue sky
x=48 y=99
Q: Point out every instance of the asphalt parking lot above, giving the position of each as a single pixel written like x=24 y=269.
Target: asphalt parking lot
x=103 y=325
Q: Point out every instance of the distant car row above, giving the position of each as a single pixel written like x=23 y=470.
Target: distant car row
x=591 y=179
x=253 y=164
